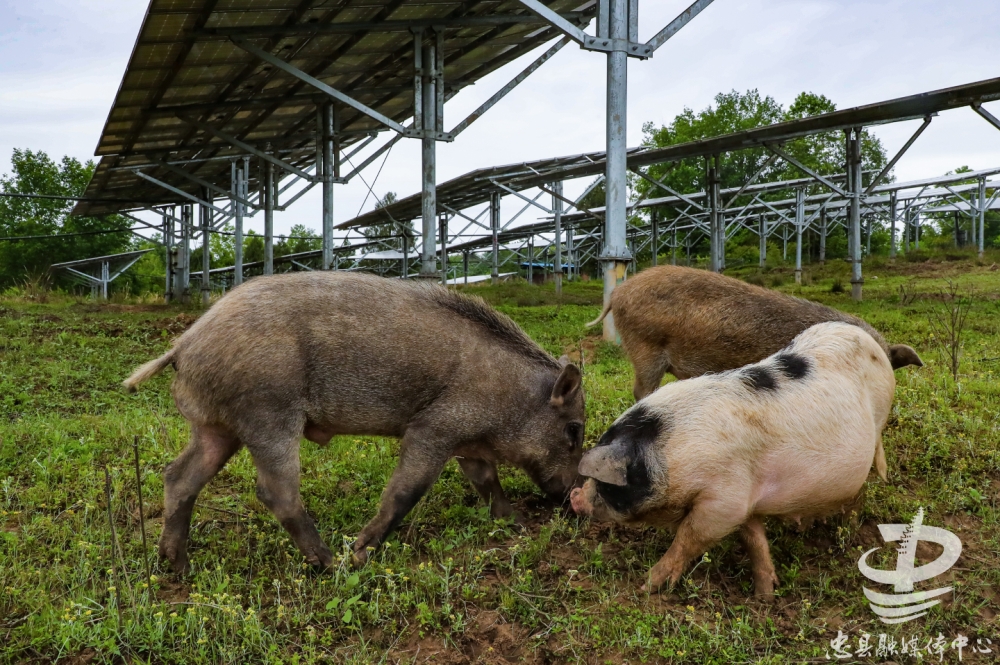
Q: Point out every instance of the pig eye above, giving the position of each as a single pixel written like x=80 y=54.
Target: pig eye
x=574 y=432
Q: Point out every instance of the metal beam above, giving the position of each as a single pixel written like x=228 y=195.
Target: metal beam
x=674 y=26
x=178 y=191
x=990 y=118
x=319 y=85
x=902 y=151
x=500 y=94
x=195 y=179
x=229 y=138
x=805 y=169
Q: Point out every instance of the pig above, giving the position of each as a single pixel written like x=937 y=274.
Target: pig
x=793 y=436
x=320 y=354
x=689 y=322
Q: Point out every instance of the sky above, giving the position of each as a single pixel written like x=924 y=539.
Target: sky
x=61 y=62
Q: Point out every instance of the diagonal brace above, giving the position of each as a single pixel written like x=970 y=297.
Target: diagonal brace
x=319 y=85
x=178 y=191
x=892 y=162
x=229 y=138
x=674 y=26
x=802 y=167
x=990 y=118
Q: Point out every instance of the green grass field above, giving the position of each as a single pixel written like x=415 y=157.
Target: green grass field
x=453 y=585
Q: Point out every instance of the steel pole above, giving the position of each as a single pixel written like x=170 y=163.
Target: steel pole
x=615 y=255
x=205 y=215
x=428 y=193
x=557 y=205
x=168 y=268
x=327 y=135
x=240 y=190
x=800 y=218
x=854 y=228
x=762 y=239
x=570 y=255
x=654 y=240
x=982 y=215
x=822 y=237
x=444 y=249
x=184 y=255
x=715 y=239
x=268 y=218
x=892 y=226
x=494 y=232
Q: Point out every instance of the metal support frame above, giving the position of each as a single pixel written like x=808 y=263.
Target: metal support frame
x=615 y=254
x=982 y=216
x=800 y=218
x=854 y=227
x=443 y=235
x=240 y=174
x=326 y=156
x=762 y=232
x=268 y=194
x=494 y=233
x=557 y=204
x=205 y=222
x=892 y=226
x=184 y=255
x=717 y=237
x=425 y=64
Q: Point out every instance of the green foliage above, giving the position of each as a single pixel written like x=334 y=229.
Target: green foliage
x=384 y=231
x=559 y=589
x=37 y=173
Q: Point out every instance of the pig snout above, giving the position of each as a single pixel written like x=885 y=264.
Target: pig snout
x=580 y=503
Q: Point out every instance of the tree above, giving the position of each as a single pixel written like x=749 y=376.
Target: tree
x=37 y=173
x=734 y=112
x=383 y=232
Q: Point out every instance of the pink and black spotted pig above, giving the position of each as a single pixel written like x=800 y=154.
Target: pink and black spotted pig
x=793 y=436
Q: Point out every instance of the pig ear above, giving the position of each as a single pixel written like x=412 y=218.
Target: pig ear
x=901 y=355
x=604 y=463
x=566 y=385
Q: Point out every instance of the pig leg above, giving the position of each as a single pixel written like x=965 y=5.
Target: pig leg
x=755 y=540
x=706 y=524
x=278 y=489
x=422 y=458
x=650 y=365
x=483 y=476
x=206 y=453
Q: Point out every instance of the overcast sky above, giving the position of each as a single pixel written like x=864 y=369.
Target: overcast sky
x=61 y=62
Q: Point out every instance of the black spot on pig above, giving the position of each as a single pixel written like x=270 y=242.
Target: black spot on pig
x=757 y=377
x=632 y=435
x=792 y=365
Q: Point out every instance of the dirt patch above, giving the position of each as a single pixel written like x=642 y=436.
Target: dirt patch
x=487 y=639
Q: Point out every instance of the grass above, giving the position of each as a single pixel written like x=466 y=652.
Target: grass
x=453 y=585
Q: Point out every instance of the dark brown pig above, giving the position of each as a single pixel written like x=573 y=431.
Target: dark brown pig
x=320 y=354
x=690 y=322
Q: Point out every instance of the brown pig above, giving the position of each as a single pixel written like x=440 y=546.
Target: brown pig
x=319 y=354
x=793 y=436
x=689 y=322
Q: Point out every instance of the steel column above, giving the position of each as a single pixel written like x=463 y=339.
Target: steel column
x=892 y=226
x=443 y=221
x=495 y=231
x=822 y=237
x=716 y=236
x=327 y=135
x=982 y=215
x=240 y=187
x=571 y=255
x=205 y=215
x=184 y=255
x=654 y=220
x=268 y=218
x=615 y=255
x=800 y=218
x=531 y=259
x=428 y=194
x=762 y=239
x=557 y=206
x=854 y=223
x=168 y=241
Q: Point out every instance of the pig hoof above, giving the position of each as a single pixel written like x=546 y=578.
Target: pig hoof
x=176 y=557
x=360 y=557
